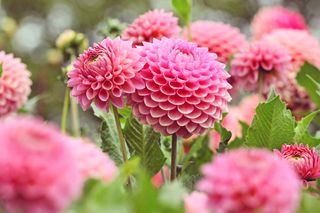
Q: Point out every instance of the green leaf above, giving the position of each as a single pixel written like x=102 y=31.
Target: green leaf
x=309 y=78
x=225 y=136
x=1 y=70
x=236 y=143
x=108 y=135
x=183 y=10
x=272 y=126
x=144 y=143
x=302 y=127
x=309 y=203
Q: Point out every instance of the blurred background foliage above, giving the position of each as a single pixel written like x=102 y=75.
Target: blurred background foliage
x=28 y=29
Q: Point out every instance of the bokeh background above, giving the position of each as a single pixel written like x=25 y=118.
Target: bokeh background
x=28 y=29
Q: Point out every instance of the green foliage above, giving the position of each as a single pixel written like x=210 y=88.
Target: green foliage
x=112 y=29
x=1 y=70
x=108 y=135
x=309 y=78
x=199 y=154
x=183 y=10
x=144 y=143
x=272 y=126
x=225 y=136
x=309 y=203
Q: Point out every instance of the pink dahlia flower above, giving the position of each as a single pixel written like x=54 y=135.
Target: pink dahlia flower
x=105 y=73
x=15 y=84
x=260 y=58
x=302 y=47
x=219 y=38
x=272 y=18
x=92 y=162
x=38 y=170
x=305 y=161
x=153 y=24
x=250 y=180
x=186 y=88
x=196 y=202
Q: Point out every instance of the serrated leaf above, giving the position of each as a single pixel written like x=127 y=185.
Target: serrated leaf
x=302 y=127
x=108 y=135
x=309 y=78
x=144 y=143
x=183 y=10
x=272 y=126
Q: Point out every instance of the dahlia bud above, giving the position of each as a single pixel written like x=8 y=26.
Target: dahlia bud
x=72 y=39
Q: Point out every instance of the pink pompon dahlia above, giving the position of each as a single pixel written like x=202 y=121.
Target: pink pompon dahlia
x=302 y=47
x=196 y=202
x=186 y=88
x=153 y=24
x=92 y=162
x=38 y=170
x=250 y=180
x=272 y=18
x=305 y=161
x=219 y=38
x=105 y=73
x=260 y=58
x=15 y=84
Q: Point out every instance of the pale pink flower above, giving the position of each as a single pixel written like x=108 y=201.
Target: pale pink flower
x=186 y=88
x=196 y=202
x=260 y=58
x=38 y=170
x=271 y=18
x=219 y=38
x=157 y=179
x=302 y=47
x=305 y=161
x=153 y=24
x=92 y=162
x=250 y=180
x=106 y=72
x=15 y=84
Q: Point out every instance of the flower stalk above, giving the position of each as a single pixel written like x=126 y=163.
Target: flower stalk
x=173 y=157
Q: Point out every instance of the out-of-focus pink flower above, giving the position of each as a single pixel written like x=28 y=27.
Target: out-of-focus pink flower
x=260 y=58
x=38 y=170
x=272 y=18
x=92 y=162
x=244 y=112
x=105 y=73
x=157 y=179
x=186 y=88
x=305 y=161
x=15 y=84
x=196 y=202
x=219 y=38
x=250 y=180
x=302 y=47
x=153 y=24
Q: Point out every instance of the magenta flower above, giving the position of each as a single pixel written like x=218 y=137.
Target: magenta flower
x=219 y=38
x=38 y=170
x=196 y=202
x=105 y=73
x=186 y=88
x=92 y=162
x=250 y=180
x=305 y=161
x=153 y=24
x=15 y=84
x=260 y=58
x=272 y=18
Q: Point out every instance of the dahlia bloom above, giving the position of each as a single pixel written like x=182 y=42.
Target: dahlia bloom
x=196 y=202
x=92 y=162
x=38 y=170
x=105 y=73
x=186 y=88
x=260 y=58
x=250 y=180
x=15 y=84
x=153 y=24
x=302 y=47
x=272 y=18
x=305 y=161
x=219 y=38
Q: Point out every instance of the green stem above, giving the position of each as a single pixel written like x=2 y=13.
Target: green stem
x=75 y=118
x=65 y=109
x=173 y=157
x=189 y=31
x=260 y=82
